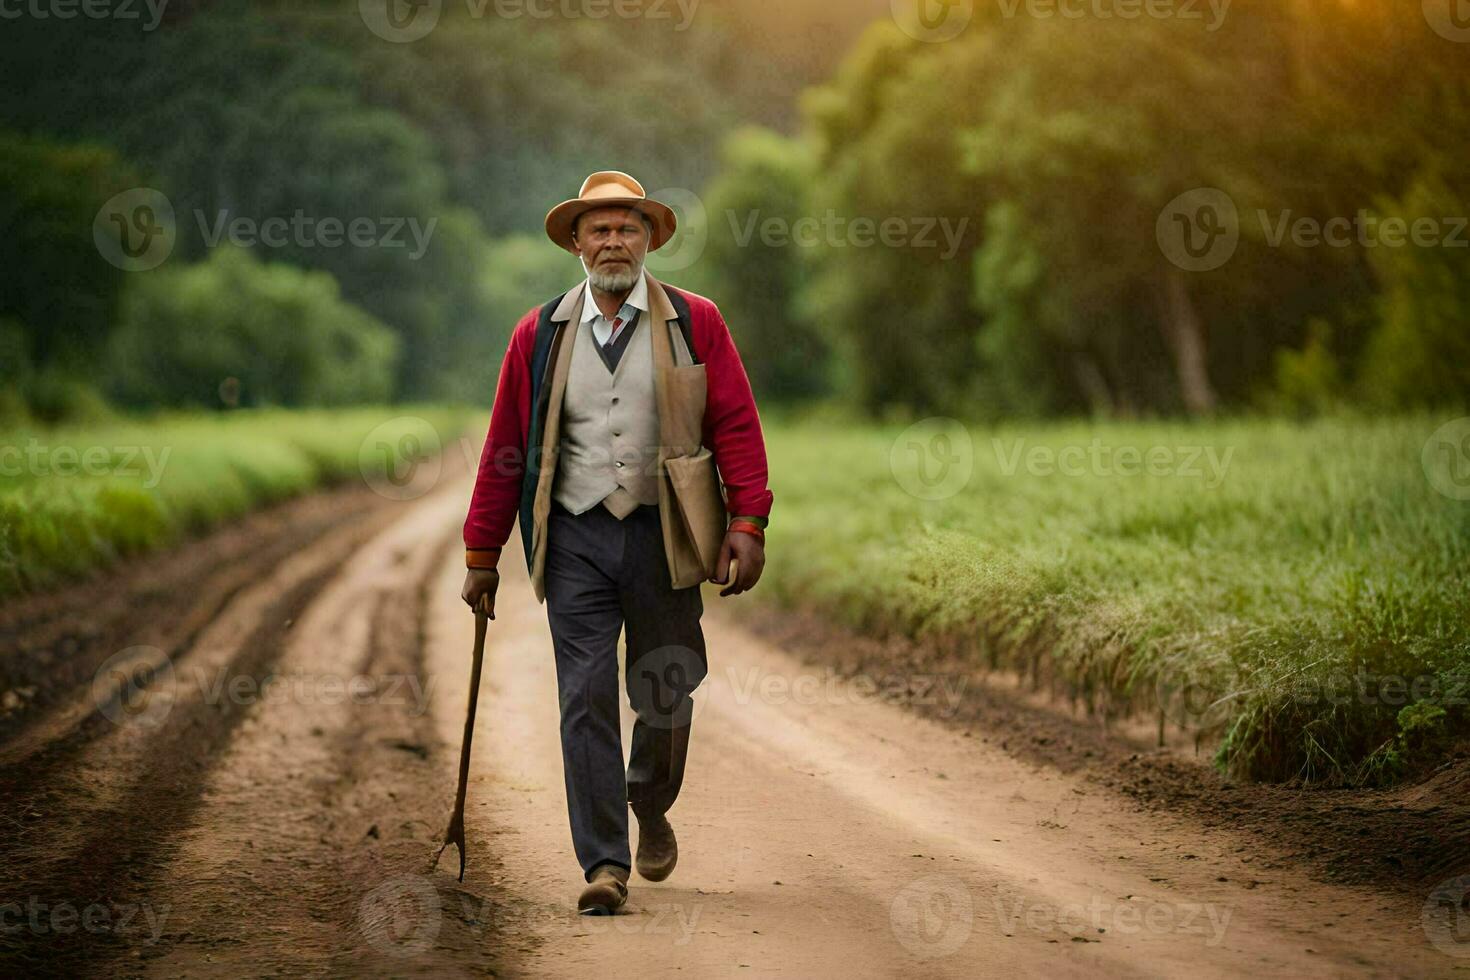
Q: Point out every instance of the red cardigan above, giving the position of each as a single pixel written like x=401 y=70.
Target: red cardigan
x=732 y=428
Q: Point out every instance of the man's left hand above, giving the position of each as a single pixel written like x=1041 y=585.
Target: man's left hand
x=749 y=553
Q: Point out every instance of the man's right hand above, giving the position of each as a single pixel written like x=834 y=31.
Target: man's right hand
x=480 y=584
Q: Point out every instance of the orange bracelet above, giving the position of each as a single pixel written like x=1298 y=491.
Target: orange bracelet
x=746 y=527
x=483 y=558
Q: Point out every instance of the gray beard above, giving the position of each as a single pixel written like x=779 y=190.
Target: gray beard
x=614 y=282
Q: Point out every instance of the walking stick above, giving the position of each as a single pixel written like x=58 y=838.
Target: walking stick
x=454 y=834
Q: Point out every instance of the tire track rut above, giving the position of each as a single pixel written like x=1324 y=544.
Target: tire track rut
x=101 y=808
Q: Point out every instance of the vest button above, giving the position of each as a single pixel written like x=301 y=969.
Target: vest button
x=615 y=401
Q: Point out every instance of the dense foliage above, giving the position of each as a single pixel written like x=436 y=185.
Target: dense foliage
x=452 y=147
x=1336 y=133
x=1029 y=164
x=283 y=338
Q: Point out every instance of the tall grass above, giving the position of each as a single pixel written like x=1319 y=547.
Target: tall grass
x=1297 y=592
x=1304 y=601
x=73 y=499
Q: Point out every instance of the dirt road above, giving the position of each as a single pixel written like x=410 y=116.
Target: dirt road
x=238 y=758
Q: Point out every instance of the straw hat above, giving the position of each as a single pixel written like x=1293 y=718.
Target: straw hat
x=609 y=189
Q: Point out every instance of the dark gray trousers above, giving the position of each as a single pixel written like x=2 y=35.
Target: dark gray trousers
x=602 y=575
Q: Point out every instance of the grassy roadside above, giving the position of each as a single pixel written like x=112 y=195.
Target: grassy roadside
x=1299 y=591
x=75 y=498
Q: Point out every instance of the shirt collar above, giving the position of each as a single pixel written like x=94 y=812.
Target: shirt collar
x=638 y=298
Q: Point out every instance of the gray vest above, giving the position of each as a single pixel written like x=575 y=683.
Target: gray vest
x=609 y=427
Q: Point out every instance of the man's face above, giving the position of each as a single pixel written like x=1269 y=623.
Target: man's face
x=612 y=243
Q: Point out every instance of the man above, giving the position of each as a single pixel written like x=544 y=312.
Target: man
x=622 y=409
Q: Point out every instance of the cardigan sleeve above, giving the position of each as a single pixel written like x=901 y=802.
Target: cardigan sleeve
x=732 y=426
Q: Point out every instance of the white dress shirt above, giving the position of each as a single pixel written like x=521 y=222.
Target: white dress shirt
x=602 y=327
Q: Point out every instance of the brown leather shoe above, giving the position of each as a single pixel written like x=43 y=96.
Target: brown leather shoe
x=658 y=852
x=606 y=891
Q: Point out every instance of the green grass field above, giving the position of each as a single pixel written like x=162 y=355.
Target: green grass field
x=73 y=499
x=1298 y=591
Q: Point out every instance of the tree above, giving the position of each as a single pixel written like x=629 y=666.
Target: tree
x=1419 y=355
x=755 y=278
x=56 y=285
x=234 y=330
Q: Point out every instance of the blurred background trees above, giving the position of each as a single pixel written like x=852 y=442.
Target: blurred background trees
x=1051 y=144
x=285 y=337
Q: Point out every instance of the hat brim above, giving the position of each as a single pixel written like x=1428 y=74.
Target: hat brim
x=561 y=219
